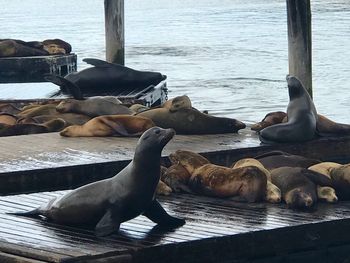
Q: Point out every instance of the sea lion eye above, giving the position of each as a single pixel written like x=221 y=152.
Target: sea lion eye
x=157 y=131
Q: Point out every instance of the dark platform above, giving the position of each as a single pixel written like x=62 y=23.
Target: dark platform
x=32 y=69
x=217 y=230
x=41 y=162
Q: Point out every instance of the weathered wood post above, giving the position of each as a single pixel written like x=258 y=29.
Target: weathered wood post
x=114 y=28
x=299 y=41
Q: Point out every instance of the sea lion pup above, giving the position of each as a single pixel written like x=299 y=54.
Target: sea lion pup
x=276 y=159
x=327 y=194
x=246 y=184
x=298 y=185
x=302 y=117
x=188 y=159
x=136 y=108
x=94 y=106
x=270 y=119
x=7 y=118
x=110 y=125
x=105 y=204
x=104 y=77
x=177 y=177
x=273 y=193
x=191 y=121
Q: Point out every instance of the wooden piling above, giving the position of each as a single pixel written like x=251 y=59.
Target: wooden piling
x=114 y=28
x=299 y=41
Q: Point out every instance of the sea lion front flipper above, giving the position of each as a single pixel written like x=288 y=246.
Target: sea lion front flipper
x=157 y=214
x=98 y=62
x=108 y=224
x=73 y=89
x=116 y=126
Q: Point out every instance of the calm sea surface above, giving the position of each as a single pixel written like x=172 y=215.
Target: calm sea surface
x=229 y=56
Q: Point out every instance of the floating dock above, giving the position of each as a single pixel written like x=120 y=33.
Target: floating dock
x=42 y=162
x=216 y=230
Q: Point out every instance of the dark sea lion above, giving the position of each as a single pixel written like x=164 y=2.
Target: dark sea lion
x=298 y=185
x=14 y=48
x=177 y=177
x=270 y=119
x=105 y=204
x=302 y=117
x=276 y=159
x=188 y=159
x=9 y=108
x=245 y=183
x=273 y=193
x=191 y=121
x=94 y=106
x=110 y=125
x=7 y=118
x=104 y=77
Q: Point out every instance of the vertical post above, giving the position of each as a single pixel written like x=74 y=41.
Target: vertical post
x=114 y=29
x=299 y=41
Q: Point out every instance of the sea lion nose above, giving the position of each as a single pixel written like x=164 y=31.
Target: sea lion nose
x=240 y=124
x=308 y=201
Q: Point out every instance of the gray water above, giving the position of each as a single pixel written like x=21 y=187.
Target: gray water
x=229 y=56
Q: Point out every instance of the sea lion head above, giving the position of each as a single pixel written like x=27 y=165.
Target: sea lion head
x=180 y=102
x=327 y=194
x=297 y=198
x=235 y=125
x=295 y=87
x=155 y=138
x=67 y=105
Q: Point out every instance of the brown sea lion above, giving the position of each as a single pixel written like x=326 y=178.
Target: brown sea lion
x=270 y=119
x=69 y=118
x=324 y=168
x=341 y=180
x=302 y=117
x=94 y=106
x=7 y=118
x=298 y=185
x=137 y=108
x=191 y=121
x=163 y=188
x=275 y=159
x=188 y=159
x=177 y=178
x=14 y=48
x=245 y=183
x=9 y=108
x=110 y=125
x=179 y=102
x=47 y=109
x=273 y=193
x=327 y=194
x=326 y=127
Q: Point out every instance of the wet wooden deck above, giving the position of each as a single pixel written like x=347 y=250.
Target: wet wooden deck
x=217 y=230
x=50 y=162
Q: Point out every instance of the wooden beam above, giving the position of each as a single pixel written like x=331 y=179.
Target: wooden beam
x=114 y=28
x=299 y=41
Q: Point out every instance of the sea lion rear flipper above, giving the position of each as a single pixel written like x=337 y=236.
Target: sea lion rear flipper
x=107 y=224
x=98 y=62
x=73 y=89
x=116 y=126
x=157 y=214
x=32 y=213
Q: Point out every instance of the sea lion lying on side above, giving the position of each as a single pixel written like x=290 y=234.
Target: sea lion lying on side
x=270 y=119
x=7 y=118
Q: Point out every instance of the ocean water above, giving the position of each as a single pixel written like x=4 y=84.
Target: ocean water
x=230 y=56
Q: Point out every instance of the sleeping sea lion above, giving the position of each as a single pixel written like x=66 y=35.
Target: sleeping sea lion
x=298 y=185
x=94 y=106
x=245 y=183
x=7 y=118
x=69 y=118
x=15 y=48
x=275 y=159
x=302 y=117
x=9 y=108
x=191 y=121
x=327 y=194
x=110 y=125
x=326 y=127
x=105 y=204
x=103 y=77
x=273 y=193
x=341 y=180
x=136 y=108
x=179 y=102
x=177 y=177
x=188 y=159
x=270 y=119
x=163 y=188
x=47 y=109
x=324 y=168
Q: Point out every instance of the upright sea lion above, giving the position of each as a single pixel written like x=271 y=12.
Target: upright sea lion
x=273 y=193
x=302 y=117
x=103 y=77
x=94 y=106
x=191 y=121
x=270 y=119
x=298 y=185
x=275 y=159
x=110 y=125
x=105 y=204
x=244 y=183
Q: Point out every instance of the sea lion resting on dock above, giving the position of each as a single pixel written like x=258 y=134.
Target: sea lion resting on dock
x=105 y=204
x=270 y=119
x=69 y=118
x=110 y=125
x=7 y=118
x=298 y=185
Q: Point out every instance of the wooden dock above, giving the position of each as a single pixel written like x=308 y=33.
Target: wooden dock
x=217 y=230
x=42 y=162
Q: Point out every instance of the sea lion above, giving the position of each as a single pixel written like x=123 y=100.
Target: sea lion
x=191 y=121
x=298 y=185
x=324 y=168
x=14 y=48
x=56 y=46
x=136 y=108
x=179 y=102
x=188 y=159
x=9 y=108
x=275 y=159
x=163 y=188
x=94 y=106
x=270 y=119
x=103 y=77
x=110 y=125
x=47 y=109
x=105 y=204
x=327 y=127
x=341 y=180
x=69 y=118
x=327 y=194
x=7 y=118
x=245 y=183
x=273 y=193
x=302 y=117
x=177 y=177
